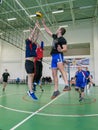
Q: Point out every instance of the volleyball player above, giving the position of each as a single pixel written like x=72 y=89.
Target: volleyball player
x=30 y=54
x=88 y=78
x=58 y=47
x=81 y=77
x=5 y=77
x=38 y=66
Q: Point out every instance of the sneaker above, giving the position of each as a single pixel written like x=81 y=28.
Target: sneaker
x=55 y=94
x=32 y=95
x=67 y=88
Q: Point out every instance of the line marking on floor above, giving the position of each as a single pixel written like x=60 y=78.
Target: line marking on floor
x=34 y=113
x=73 y=115
x=49 y=114
x=11 y=109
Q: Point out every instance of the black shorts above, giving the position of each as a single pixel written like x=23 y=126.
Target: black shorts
x=29 y=66
x=5 y=80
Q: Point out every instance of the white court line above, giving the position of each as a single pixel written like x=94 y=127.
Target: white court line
x=52 y=115
x=11 y=109
x=34 y=113
x=79 y=115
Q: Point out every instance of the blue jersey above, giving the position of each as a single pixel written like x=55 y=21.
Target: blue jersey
x=81 y=78
x=30 y=49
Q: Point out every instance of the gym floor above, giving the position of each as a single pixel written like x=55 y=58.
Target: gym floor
x=19 y=112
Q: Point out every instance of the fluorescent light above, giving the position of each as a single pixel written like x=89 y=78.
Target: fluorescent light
x=26 y=31
x=58 y=11
x=86 y=7
x=11 y=19
x=33 y=15
x=65 y=26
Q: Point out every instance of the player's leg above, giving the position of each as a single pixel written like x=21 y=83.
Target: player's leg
x=29 y=66
x=36 y=75
x=60 y=66
x=55 y=76
x=82 y=94
x=40 y=75
x=64 y=75
x=4 y=85
x=77 y=88
x=56 y=89
x=30 y=79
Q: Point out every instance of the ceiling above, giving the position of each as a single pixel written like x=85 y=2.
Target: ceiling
x=21 y=11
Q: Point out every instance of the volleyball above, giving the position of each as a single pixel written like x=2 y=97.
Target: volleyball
x=39 y=14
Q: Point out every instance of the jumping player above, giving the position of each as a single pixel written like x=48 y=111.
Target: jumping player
x=30 y=54
x=58 y=47
x=38 y=65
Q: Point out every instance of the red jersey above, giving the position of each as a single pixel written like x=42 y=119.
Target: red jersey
x=39 y=52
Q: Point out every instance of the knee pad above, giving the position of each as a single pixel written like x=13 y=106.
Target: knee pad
x=82 y=89
x=77 y=89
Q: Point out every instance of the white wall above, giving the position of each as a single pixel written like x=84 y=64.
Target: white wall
x=11 y=58
x=79 y=33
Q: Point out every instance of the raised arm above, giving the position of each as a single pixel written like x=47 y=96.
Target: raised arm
x=34 y=31
x=36 y=35
x=46 y=28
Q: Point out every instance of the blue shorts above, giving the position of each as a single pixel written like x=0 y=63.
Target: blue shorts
x=80 y=85
x=55 y=59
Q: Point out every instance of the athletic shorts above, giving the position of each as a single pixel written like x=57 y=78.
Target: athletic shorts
x=29 y=66
x=78 y=88
x=5 y=80
x=80 y=85
x=55 y=59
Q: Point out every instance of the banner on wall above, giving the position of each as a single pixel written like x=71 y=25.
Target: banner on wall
x=74 y=62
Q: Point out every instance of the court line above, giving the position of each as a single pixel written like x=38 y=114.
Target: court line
x=55 y=115
x=34 y=113
x=11 y=109
x=77 y=115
